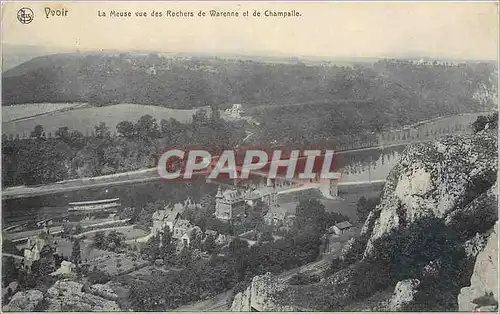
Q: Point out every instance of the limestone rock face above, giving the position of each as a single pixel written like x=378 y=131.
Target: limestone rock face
x=263 y=295
x=482 y=294
x=437 y=180
x=241 y=302
x=67 y=295
x=24 y=301
x=262 y=292
x=404 y=294
x=450 y=183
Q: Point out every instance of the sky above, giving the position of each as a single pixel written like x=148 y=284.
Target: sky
x=452 y=30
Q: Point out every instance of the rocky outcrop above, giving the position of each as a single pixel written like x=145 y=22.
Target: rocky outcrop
x=404 y=294
x=482 y=294
x=263 y=291
x=103 y=291
x=67 y=295
x=265 y=294
x=438 y=180
x=475 y=245
x=241 y=301
x=24 y=301
x=435 y=201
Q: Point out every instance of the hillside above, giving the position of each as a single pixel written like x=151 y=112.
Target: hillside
x=394 y=88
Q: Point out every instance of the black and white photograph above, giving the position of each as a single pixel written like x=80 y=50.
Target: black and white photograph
x=262 y=156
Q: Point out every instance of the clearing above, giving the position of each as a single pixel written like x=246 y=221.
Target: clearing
x=82 y=119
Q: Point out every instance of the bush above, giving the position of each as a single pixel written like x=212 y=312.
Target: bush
x=301 y=279
x=98 y=276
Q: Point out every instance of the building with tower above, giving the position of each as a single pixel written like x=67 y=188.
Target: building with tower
x=229 y=204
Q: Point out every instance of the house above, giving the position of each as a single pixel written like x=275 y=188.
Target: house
x=265 y=194
x=66 y=268
x=340 y=227
x=281 y=215
x=185 y=240
x=223 y=239
x=168 y=216
x=181 y=227
x=188 y=237
x=229 y=204
x=35 y=246
x=164 y=218
x=329 y=188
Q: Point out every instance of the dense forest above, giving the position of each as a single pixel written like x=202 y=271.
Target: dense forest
x=46 y=158
x=295 y=104
x=386 y=87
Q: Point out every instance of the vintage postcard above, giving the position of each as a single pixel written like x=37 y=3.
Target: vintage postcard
x=249 y=156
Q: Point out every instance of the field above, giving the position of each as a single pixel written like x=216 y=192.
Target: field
x=81 y=119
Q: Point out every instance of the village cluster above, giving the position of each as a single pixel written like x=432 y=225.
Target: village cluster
x=231 y=206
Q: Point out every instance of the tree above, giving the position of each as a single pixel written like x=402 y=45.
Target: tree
x=126 y=129
x=362 y=209
x=75 y=252
x=76 y=139
x=115 y=240
x=9 y=271
x=482 y=121
x=63 y=133
x=147 y=128
x=100 y=240
x=37 y=131
x=166 y=238
x=267 y=236
x=209 y=245
x=196 y=243
x=46 y=264
x=102 y=131
x=152 y=248
x=78 y=229
x=98 y=276
x=311 y=211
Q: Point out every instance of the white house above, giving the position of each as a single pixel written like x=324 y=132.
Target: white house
x=340 y=228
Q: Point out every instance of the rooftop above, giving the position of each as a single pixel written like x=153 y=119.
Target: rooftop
x=343 y=225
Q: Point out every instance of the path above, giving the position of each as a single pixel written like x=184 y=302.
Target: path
x=141 y=239
x=104 y=229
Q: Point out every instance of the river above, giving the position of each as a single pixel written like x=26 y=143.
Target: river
x=368 y=165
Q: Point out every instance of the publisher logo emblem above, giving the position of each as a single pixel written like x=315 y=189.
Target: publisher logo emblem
x=25 y=15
